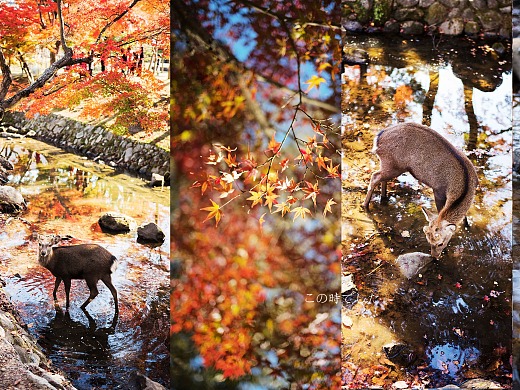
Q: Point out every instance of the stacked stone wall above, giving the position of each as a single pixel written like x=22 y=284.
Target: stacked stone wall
x=449 y=17
x=94 y=142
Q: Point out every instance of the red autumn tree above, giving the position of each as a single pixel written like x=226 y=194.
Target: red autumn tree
x=82 y=43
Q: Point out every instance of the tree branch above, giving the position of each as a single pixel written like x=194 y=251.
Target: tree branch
x=6 y=77
x=202 y=38
x=285 y=18
x=62 y=30
x=66 y=60
x=118 y=17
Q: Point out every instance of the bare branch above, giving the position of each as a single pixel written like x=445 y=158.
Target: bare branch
x=118 y=17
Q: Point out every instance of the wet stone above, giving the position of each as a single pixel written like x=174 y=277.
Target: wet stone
x=479 y=4
x=436 y=13
x=11 y=200
x=117 y=223
x=410 y=264
x=399 y=353
x=353 y=26
x=392 y=26
x=409 y=14
x=452 y=27
x=480 y=384
x=471 y=28
x=412 y=27
x=490 y=20
x=138 y=381
x=407 y=3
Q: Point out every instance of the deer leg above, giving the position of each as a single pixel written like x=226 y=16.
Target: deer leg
x=466 y=223
x=374 y=181
x=93 y=292
x=108 y=282
x=382 y=176
x=66 y=282
x=57 y=283
x=383 y=190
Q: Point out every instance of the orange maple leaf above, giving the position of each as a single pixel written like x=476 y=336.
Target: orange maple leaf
x=283 y=208
x=311 y=191
x=333 y=171
x=270 y=198
x=322 y=161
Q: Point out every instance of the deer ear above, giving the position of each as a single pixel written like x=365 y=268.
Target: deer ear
x=428 y=214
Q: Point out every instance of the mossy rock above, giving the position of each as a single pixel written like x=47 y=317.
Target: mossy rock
x=382 y=11
x=436 y=14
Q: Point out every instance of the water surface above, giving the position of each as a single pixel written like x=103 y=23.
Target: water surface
x=66 y=195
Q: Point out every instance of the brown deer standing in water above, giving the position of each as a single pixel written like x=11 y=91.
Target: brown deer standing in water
x=431 y=159
x=89 y=262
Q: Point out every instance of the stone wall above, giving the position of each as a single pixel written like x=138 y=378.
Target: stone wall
x=414 y=17
x=94 y=142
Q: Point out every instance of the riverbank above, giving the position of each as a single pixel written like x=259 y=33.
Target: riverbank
x=125 y=153
x=23 y=364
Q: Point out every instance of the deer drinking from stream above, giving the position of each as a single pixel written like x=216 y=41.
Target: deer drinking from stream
x=431 y=159
x=89 y=262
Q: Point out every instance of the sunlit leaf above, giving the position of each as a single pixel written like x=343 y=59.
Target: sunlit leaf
x=314 y=81
x=214 y=212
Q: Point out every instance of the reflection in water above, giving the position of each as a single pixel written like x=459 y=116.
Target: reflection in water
x=455 y=314
x=67 y=195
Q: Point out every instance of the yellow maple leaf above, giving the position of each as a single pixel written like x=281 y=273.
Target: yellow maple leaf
x=256 y=197
x=328 y=206
x=314 y=81
x=323 y=66
x=214 y=212
x=300 y=212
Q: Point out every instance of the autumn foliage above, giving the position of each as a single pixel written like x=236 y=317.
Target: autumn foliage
x=86 y=55
x=255 y=145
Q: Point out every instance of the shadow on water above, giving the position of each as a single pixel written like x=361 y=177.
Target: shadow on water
x=67 y=195
x=451 y=322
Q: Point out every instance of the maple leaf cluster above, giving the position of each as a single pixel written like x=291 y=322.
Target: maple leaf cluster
x=257 y=149
x=270 y=182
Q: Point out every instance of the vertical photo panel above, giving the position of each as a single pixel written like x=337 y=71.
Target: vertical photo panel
x=255 y=300
x=84 y=194
x=427 y=137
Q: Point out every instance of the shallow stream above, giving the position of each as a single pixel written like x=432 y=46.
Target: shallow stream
x=66 y=195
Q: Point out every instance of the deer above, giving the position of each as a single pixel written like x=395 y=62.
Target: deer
x=435 y=162
x=90 y=262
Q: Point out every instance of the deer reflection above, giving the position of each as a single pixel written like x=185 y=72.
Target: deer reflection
x=65 y=333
